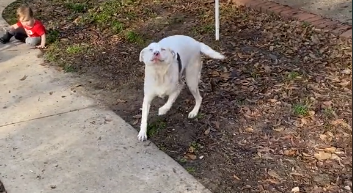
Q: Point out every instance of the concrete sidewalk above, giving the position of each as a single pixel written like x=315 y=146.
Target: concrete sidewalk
x=53 y=139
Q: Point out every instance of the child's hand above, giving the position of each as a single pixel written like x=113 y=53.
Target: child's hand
x=40 y=47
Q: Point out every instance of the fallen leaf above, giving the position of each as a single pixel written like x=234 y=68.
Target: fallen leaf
x=216 y=123
x=274 y=174
x=191 y=149
x=330 y=150
x=311 y=113
x=121 y=101
x=295 y=189
x=296 y=174
x=279 y=129
x=191 y=156
x=137 y=116
x=329 y=133
x=267 y=69
x=291 y=152
x=23 y=78
x=344 y=83
x=77 y=20
x=135 y=122
x=272 y=100
x=340 y=152
x=323 y=137
x=236 y=177
x=335 y=157
x=207 y=131
x=337 y=122
x=322 y=155
x=312 y=56
x=249 y=129
x=341 y=122
x=304 y=121
x=265 y=156
x=225 y=76
x=215 y=73
x=306 y=155
x=327 y=137
x=346 y=71
x=315 y=39
x=327 y=103
x=240 y=55
x=272 y=181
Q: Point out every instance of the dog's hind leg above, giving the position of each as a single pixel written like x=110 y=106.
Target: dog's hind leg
x=193 y=74
x=147 y=99
x=171 y=99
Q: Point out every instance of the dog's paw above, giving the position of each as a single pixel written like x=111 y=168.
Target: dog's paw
x=163 y=110
x=142 y=136
x=192 y=114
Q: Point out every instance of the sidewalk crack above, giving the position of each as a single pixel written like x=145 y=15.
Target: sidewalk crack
x=52 y=115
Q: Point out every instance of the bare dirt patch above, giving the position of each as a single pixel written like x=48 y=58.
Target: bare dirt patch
x=276 y=115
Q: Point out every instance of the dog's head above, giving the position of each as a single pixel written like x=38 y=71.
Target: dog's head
x=157 y=54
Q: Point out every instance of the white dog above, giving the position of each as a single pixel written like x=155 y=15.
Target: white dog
x=165 y=62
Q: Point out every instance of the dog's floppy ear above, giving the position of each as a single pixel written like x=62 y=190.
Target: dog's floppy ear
x=174 y=54
x=141 y=54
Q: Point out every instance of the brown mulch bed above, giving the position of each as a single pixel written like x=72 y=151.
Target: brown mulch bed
x=276 y=115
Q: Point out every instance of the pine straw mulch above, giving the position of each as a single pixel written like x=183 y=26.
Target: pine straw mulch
x=276 y=115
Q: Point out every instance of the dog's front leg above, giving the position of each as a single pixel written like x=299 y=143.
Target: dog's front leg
x=171 y=99
x=145 y=110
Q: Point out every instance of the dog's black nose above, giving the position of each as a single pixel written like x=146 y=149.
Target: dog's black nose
x=156 y=53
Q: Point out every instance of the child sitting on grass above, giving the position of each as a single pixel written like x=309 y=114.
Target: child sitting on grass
x=27 y=30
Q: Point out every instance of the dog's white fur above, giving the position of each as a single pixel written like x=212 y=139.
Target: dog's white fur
x=162 y=77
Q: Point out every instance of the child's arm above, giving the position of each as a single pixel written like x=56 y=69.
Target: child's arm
x=12 y=27
x=42 y=41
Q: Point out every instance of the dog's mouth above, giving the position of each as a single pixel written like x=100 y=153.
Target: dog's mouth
x=155 y=60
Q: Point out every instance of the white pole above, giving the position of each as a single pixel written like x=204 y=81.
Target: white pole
x=217 y=18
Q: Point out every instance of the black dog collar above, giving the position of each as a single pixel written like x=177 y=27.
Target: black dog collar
x=179 y=62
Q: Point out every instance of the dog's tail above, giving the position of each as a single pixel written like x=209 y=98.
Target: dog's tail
x=205 y=49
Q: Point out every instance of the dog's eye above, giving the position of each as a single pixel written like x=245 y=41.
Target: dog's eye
x=151 y=50
x=163 y=49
